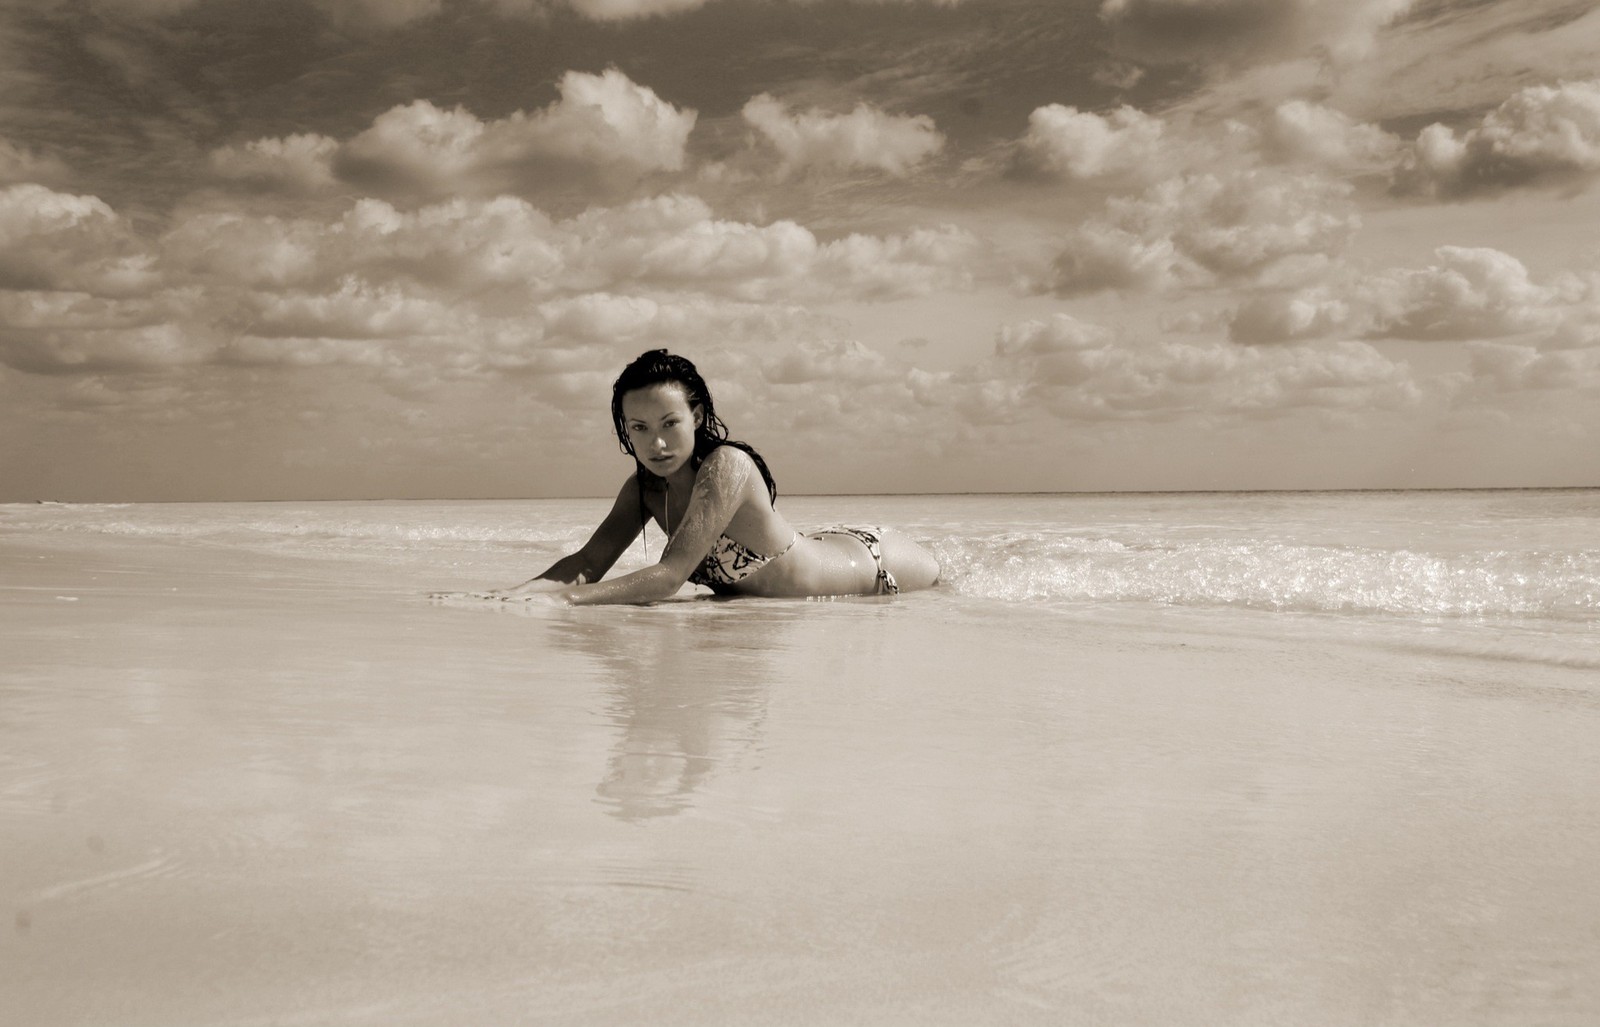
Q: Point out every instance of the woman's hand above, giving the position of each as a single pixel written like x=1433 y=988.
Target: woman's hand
x=528 y=591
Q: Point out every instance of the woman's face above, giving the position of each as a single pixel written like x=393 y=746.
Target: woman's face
x=660 y=425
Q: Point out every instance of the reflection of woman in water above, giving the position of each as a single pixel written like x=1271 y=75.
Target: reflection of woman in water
x=714 y=499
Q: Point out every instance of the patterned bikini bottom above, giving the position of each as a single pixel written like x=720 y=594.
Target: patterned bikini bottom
x=870 y=536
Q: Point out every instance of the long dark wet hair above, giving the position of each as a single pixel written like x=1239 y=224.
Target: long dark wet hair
x=655 y=367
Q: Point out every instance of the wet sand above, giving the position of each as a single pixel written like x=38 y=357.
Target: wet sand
x=242 y=788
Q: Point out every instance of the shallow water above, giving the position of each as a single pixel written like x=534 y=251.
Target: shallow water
x=249 y=775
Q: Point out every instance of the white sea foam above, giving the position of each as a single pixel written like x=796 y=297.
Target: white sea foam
x=1473 y=554
x=1270 y=575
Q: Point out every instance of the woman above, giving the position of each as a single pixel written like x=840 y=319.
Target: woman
x=714 y=499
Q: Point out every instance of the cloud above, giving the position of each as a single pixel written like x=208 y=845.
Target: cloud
x=1082 y=145
x=48 y=332
x=969 y=400
x=355 y=309
x=604 y=131
x=1201 y=229
x=1098 y=256
x=382 y=14
x=1118 y=75
x=675 y=241
x=296 y=164
x=390 y=14
x=1060 y=333
x=1308 y=132
x=1079 y=370
x=1498 y=368
x=601 y=317
x=1239 y=32
x=1127 y=149
x=1472 y=293
x=866 y=138
x=21 y=164
x=59 y=241
x=141 y=8
x=847 y=363
x=465 y=286
x=622 y=10
x=1313 y=313
x=509 y=247
x=892 y=267
x=1541 y=135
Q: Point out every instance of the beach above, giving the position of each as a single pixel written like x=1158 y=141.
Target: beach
x=1140 y=760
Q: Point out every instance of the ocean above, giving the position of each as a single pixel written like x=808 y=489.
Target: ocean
x=1312 y=758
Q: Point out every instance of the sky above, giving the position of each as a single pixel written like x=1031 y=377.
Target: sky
x=308 y=249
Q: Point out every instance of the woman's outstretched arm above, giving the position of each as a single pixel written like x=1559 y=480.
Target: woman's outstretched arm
x=620 y=527
x=723 y=484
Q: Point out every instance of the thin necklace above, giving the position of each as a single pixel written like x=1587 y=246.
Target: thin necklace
x=666 y=518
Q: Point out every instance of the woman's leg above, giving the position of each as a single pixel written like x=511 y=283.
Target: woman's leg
x=913 y=567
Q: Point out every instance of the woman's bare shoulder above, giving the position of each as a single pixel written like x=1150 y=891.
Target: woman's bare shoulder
x=726 y=468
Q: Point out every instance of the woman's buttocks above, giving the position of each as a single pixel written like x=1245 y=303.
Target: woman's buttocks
x=818 y=564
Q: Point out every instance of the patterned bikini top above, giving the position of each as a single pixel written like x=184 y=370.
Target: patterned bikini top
x=730 y=561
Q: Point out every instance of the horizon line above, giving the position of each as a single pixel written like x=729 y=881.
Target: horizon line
x=834 y=495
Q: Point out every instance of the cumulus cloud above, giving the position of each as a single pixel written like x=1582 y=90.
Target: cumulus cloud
x=463 y=246
x=465 y=285
x=601 y=316
x=605 y=129
x=1474 y=292
x=1238 y=32
x=1500 y=368
x=1471 y=293
x=1313 y=313
x=1060 y=333
x=1198 y=229
x=355 y=309
x=59 y=241
x=866 y=138
x=1099 y=256
x=294 y=164
x=1127 y=150
x=676 y=241
x=604 y=123
x=1076 y=370
x=508 y=246
x=1318 y=135
x=1083 y=145
x=1541 y=135
x=49 y=332
x=846 y=362
x=889 y=267
x=1082 y=371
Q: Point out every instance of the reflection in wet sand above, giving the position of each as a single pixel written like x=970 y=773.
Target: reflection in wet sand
x=686 y=703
